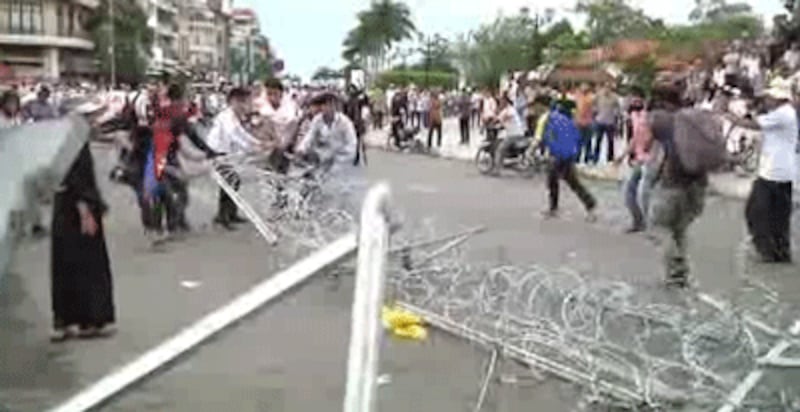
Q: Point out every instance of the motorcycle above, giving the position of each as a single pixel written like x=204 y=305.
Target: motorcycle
x=406 y=140
x=518 y=156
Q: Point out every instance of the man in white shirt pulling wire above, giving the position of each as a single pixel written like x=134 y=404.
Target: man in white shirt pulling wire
x=229 y=136
x=331 y=138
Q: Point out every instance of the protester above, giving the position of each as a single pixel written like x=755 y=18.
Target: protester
x=769 y=207
x=608 y=110
x=638 y=185
x=514 y=129
x=434 y=117
x=10 y=111
x=562 y=138
x=679 y=197
x=464 y=109
x=41 y=108
x=584 y=112
x=229 y=136
x=332 y=140
x=82 y=297
x=284 y=116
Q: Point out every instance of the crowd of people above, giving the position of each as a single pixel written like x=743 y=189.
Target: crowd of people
x=658 y=135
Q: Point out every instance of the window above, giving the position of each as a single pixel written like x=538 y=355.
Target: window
x=60 y=19
x=22 y=16
x=71 y=20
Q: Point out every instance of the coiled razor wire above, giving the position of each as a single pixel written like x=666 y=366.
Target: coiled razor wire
x=653 y=351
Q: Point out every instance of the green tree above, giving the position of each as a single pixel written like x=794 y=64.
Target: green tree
x=379 y=28
x=718 y=10
x=132 y=39
x=609 y=20
x=326 y=74
x=436 y=54
x=508 y=43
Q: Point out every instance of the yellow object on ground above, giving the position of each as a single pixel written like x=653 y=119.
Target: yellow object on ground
x=403 y=323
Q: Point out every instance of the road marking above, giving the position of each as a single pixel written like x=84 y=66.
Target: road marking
x=211 y=324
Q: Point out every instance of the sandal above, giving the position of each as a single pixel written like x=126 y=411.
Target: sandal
x=62 y=335
x=97 y=332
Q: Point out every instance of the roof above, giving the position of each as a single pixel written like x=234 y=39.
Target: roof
x=576 y=74
x=243 y=13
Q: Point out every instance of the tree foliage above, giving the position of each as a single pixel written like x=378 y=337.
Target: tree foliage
x=326 y=74
x=132 y=39
x=609 y=20
x=419 y=78
x=436 y=54
x=379 y=28
x=508 y=43
x=718 y=10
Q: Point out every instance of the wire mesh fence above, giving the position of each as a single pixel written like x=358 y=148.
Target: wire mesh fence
x=626 y=346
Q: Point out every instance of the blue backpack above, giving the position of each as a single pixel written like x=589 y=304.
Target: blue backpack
x=561 y=136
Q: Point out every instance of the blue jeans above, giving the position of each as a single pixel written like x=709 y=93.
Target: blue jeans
x=608 y=131
x=637 y=194
x=586 y=143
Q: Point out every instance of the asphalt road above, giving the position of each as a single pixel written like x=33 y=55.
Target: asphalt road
x=291 y=356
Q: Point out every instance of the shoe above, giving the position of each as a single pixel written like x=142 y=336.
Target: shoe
x=63 y=334
x=681 y=282
x=238 y=219
x=224 y=223
x=550 y=214
x=635 y=229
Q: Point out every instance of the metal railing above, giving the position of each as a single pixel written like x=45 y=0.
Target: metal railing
x=372 y=245
x=365 y=326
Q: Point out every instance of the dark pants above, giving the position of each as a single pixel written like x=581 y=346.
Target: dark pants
x=565 y=169
x=463 y=124
x=437 y=128
x=227 y=210
x=416 y=119
x=768 y=214
x=607 y=131
x=586 y=144
x=377 y=120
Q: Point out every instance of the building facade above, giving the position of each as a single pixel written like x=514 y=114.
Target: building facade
x=162 y=19
x=204 y=39
x=45 y=39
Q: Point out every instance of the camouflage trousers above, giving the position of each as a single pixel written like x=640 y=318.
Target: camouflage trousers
x=673 y=211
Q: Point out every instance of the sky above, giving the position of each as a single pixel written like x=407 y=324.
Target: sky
x=308 y=34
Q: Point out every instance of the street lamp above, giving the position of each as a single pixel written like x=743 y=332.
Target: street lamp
x=112 y=36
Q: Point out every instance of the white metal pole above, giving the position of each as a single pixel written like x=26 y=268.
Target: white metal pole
x=365 y=327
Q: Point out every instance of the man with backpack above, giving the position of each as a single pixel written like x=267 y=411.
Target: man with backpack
x=682 y=174
x=769 y=207
x=563 y=140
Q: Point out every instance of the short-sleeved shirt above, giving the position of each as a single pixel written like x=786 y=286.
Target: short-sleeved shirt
x=778 y=161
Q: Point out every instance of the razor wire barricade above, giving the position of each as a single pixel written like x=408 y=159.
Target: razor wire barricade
x=623 y=345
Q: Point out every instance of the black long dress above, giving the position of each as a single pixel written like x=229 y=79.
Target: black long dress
x=80 y=268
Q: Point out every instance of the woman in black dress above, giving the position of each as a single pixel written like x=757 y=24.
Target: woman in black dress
x=83 y=304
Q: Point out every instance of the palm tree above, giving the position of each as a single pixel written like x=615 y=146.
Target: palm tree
x=384 y=24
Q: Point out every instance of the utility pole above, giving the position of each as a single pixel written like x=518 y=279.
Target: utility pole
x=111 y=49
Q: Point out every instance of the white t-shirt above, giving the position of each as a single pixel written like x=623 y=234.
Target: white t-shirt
x=778 y=161
x=286 y=118
x=512 y=123
x=489 y=107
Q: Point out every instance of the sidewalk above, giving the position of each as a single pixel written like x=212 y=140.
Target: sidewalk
x=731 y=185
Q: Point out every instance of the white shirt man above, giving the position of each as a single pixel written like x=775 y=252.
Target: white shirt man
x=778 y=161
x=228 y=135
x=285 y=117
x=334 y=142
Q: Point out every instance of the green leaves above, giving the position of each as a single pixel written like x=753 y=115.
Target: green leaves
x=384 y=24
x=132 y=39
